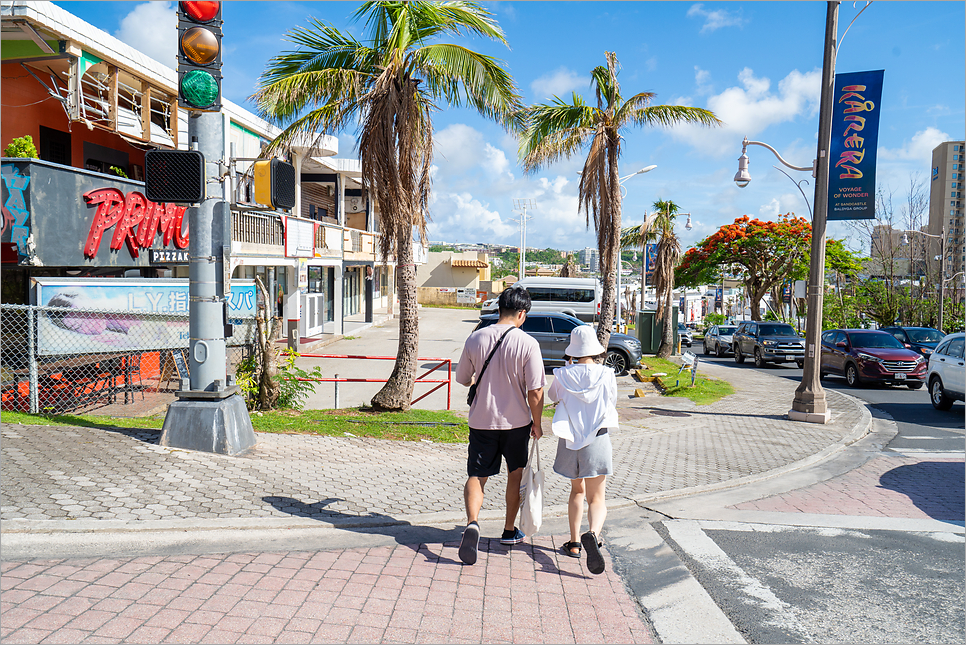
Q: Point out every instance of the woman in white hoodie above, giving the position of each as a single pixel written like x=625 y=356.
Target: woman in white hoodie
x=586 y=397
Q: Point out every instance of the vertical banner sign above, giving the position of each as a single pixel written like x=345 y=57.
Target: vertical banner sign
x=855 y=134
x=718 y=297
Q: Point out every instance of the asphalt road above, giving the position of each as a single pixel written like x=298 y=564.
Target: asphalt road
x=841 y=571
x=921 y=426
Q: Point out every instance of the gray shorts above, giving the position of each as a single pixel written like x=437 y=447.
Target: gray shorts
x=590 y=461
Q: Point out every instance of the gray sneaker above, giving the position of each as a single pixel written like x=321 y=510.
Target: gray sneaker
x=470 y=544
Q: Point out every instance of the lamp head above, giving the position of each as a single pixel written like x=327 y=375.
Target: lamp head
x=687 y=224
x=905 y=239
x=647 y=169
x=743 y=177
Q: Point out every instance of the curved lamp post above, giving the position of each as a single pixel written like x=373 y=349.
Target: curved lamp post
x=810 y=403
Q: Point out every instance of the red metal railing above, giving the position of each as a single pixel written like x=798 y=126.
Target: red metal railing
x=439 y=363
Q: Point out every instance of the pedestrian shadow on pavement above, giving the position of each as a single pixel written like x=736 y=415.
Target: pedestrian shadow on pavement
x=668 y=412
x=418 y=538
x=405 y=533
x=935 y=487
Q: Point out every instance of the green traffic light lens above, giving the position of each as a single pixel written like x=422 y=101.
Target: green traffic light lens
x=199 y=88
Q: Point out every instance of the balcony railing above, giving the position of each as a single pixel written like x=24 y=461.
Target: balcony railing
x=253 y=228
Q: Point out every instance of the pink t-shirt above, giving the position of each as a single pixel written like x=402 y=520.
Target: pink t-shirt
x=516 y=367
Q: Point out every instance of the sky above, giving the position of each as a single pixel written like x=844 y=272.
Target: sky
x=756 y=65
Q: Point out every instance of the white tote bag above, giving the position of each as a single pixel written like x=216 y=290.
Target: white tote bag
x=531 y=493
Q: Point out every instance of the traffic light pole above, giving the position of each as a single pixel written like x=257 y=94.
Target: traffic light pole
x=210 y=413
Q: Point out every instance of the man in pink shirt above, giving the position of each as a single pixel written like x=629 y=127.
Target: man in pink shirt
x=504 y=415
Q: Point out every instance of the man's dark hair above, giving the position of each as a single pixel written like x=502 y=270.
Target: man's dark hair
x=513 y=300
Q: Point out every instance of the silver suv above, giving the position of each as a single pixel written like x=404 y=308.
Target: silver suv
x=552 y=331
x=947 y=372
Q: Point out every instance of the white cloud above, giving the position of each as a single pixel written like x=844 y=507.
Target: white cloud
x=918 y=148
x=752 y=107
x=557 y=83
x=702 y=79
x=714 y=20
x=151 y=28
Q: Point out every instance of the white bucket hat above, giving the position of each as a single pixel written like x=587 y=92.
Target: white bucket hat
x=583 y=342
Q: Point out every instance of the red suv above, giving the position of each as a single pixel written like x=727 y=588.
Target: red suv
x=871 y=356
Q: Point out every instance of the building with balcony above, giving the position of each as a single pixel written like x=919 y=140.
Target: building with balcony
x=946 y=186
x=93 y=106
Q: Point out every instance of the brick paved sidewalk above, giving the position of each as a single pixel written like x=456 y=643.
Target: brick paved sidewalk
x=889 y=485
x=528 y=593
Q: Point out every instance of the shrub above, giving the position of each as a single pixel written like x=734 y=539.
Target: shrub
x=22 y=148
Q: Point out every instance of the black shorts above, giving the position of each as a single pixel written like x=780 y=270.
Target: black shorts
x=487 y=446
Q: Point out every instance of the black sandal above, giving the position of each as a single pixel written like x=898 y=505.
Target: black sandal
x=572 y=549
x=595 y=559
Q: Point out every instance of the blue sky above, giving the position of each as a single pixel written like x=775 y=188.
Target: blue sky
x=757 y=65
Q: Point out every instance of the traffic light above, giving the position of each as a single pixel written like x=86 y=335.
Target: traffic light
x=274 y=183
x=174 y=176
x=199 y=56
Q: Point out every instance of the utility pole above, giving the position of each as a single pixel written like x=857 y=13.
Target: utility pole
x=521 y=206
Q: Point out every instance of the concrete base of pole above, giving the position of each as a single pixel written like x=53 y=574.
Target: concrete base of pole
x=221 y=426
x=810 y=417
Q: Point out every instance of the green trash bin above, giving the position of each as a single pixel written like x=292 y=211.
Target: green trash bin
x=649 y=329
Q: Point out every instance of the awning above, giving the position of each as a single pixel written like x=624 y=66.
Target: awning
x=471 y=264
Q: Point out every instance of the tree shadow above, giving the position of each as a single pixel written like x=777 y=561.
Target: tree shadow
x=935 y=487
x=428 y=541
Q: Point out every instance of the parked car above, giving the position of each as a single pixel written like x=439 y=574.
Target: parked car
x=870 y=356
x=687 y=338
x=718 y=340
x=577 y=297
x=552 y=331
x=768 y=342
x=920 y=339
x=946 y=375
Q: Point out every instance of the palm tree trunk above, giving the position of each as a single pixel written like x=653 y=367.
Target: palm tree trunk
x=666 y=347
x=397 y=393
x=609 y=299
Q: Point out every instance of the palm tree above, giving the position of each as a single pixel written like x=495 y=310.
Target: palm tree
x=560 y=129
x=387 y=87
x=668 y=254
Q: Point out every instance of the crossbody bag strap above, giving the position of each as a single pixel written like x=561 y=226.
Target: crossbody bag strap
x=492 y=352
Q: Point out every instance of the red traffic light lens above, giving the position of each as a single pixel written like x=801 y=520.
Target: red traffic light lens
x=201 y=11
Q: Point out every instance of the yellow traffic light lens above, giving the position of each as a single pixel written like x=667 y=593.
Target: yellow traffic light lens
x=200 y=46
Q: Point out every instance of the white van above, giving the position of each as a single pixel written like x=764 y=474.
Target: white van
x=578 y=297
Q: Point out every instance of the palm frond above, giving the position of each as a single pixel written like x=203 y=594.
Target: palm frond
x=457 y=73
x=668 y=115
x=555 y=131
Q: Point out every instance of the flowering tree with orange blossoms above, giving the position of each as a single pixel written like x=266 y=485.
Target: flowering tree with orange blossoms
x=768 y=252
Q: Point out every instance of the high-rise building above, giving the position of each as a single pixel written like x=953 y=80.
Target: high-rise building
x=588 y=259
x=947 y=176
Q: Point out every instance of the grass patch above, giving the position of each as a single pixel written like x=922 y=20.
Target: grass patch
x=438 y=426
x=706 y=390
x=84 y=420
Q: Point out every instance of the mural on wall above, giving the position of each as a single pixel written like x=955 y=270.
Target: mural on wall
x=106 y=314
x=16 y=211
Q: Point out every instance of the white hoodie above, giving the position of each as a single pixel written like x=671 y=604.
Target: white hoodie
x=586 y=397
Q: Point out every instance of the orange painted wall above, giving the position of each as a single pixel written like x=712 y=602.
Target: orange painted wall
x=21 y=89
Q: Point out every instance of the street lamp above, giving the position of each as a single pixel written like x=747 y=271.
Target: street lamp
x=942 y=265
x=810 y=402
x=617 y=299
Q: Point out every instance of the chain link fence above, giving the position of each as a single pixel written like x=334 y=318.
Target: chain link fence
x=61 y=359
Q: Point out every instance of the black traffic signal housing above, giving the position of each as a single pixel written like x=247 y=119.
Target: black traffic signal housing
x=274 y=183
x=199 y=56
x=174 y=176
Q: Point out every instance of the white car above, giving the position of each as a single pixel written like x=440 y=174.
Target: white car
x=947 y=372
